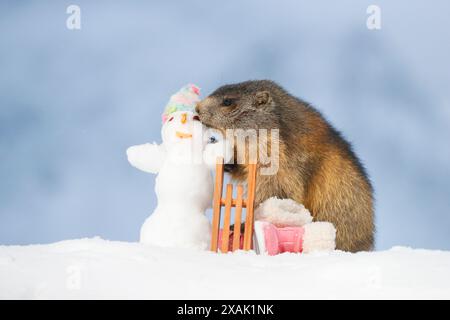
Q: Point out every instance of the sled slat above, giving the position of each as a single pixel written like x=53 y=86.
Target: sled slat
x=226 y=220
x=249 y=219
x=216 y=205
x=234 y=203
x=237 y=219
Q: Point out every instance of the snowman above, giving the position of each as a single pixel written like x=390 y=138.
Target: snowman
x=184 y=184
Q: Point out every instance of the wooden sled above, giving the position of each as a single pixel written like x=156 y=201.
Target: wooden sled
x=239 y=203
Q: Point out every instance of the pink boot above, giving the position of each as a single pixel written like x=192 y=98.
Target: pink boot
x=273 y=240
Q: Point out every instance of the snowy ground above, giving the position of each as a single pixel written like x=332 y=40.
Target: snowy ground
x=96 y=268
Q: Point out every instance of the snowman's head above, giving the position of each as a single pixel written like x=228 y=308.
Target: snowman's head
x=181 y=124
x=182 y=127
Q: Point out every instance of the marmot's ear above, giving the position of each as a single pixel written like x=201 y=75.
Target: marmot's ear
x=262 y=97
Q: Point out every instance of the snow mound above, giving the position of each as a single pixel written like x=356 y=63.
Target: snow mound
x=96 y=268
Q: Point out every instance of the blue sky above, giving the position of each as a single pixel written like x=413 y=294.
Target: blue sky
x=71 y=102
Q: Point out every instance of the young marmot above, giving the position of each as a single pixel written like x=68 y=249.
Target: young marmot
x=317 y=166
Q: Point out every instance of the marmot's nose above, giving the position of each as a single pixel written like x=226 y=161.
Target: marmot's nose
x=197 y=107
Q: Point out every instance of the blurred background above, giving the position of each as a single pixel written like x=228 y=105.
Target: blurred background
x=72 y=101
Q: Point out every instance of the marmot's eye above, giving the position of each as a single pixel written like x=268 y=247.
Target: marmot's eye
x=227 y=102
x=171 y=118
x=196 y=118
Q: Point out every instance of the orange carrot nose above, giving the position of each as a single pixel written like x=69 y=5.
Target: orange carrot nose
x=183 y=118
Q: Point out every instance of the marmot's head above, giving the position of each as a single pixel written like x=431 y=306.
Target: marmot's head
x=245 y=105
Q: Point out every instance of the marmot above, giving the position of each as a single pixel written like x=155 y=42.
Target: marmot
x=317 y=166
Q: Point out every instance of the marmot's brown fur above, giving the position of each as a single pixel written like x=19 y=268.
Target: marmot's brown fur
x=317 y=167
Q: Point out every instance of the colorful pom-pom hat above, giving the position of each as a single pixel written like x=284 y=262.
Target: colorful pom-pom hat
x=184 y=100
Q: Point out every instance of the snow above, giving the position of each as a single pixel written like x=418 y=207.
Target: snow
x=96 y=268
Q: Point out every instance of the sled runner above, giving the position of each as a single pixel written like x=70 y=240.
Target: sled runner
x=222 y=237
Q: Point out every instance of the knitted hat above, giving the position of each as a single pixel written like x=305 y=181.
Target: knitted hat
x=184 y=100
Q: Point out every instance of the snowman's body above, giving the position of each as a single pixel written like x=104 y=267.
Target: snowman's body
x=184 y=192
x=184 y=184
